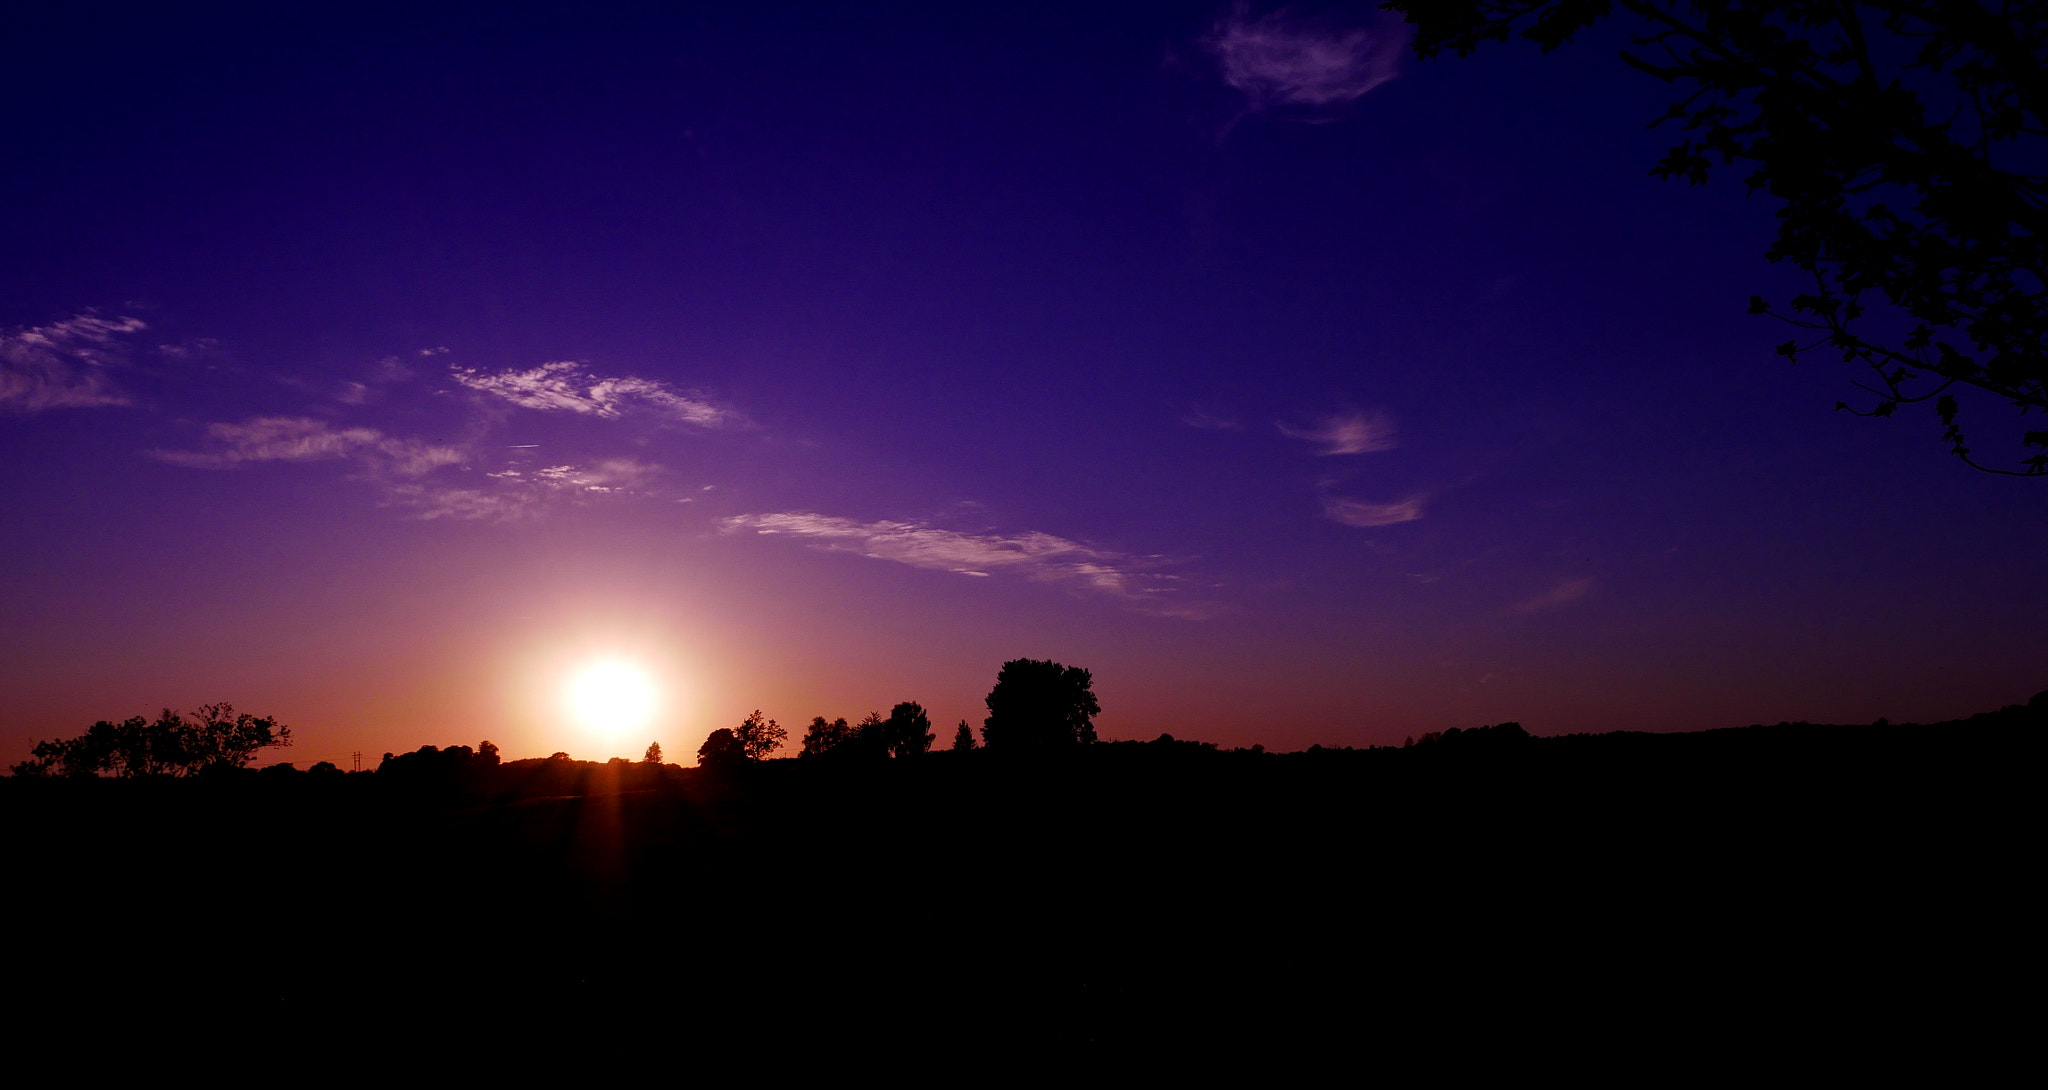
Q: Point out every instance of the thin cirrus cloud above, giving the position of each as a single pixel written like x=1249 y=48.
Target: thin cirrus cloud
x=302 y=439
x=1040 y=556
x=512 y=495
x=1361 y=513
x=1285 y=59
x=389 y=371
x=64 y=365
x=72 y=364
x=405 y=470
x=567 y=386
x=1346 y=433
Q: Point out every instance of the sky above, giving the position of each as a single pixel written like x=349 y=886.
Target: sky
x=380 y=367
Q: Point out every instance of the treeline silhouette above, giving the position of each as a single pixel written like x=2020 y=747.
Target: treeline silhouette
x=1075 y=899
x=462 y=775
x=214 y=740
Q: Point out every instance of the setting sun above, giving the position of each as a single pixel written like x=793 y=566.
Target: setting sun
x=611 y=697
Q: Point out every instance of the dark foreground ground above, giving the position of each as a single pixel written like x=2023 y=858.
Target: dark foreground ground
x=1797 y=900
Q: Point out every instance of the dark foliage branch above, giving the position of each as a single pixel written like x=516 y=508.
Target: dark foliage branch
x=1905 y=140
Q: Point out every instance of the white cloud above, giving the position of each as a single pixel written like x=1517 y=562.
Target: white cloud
x=429 y=503
x=1347 y=433
x=63 y=365
x=1566 y=592
x=1037 y=555
x=1284 y=59
x=405 y=470
x=920 y=546
x=1360 y=513
x=515 y=494
x=565 y=385
x=200 y=350
x=302 y=439
x=609 y=476
x=389 y=371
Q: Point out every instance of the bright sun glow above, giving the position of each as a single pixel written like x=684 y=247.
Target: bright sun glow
x=611 y=697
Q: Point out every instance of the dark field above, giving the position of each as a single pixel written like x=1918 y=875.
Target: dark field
x=1675 y=900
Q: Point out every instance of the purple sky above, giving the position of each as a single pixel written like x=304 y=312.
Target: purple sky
x=374 y=368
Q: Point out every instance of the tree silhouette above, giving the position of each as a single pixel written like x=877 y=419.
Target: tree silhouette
x=653 y=755
x=218 y=738
x=869 y=739
x=1038 y=704
x=432 y=772
x=723 y=749
x=214 y=739
x=908 y=730
x=759 y=737
x=1905 y=140
x=823 y=738
x=963 y=737
x=1496 y=738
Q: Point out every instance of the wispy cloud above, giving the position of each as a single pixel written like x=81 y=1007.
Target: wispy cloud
x=1346 y=433
x=922 y=546
x=1565 y=593
x=1286 y=59
x=613 y=475
x=1201 y=418
x=63 y=365
x=1036 y=555
x=567 y=386
x=389 y=371
x=512 y=495
x=405 y=470
x=303 y=439
x=198 y=350
x=1361 y=513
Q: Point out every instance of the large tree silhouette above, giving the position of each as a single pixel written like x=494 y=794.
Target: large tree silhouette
x=823 y=737
x=1905 y=140
x=722 y=749
x=215 y=738
x=869 y=740
x=759 y=737
x=908 y=729
x=1040 y=704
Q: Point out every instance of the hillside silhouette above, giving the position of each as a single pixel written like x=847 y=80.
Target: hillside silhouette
x=1075 y=900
